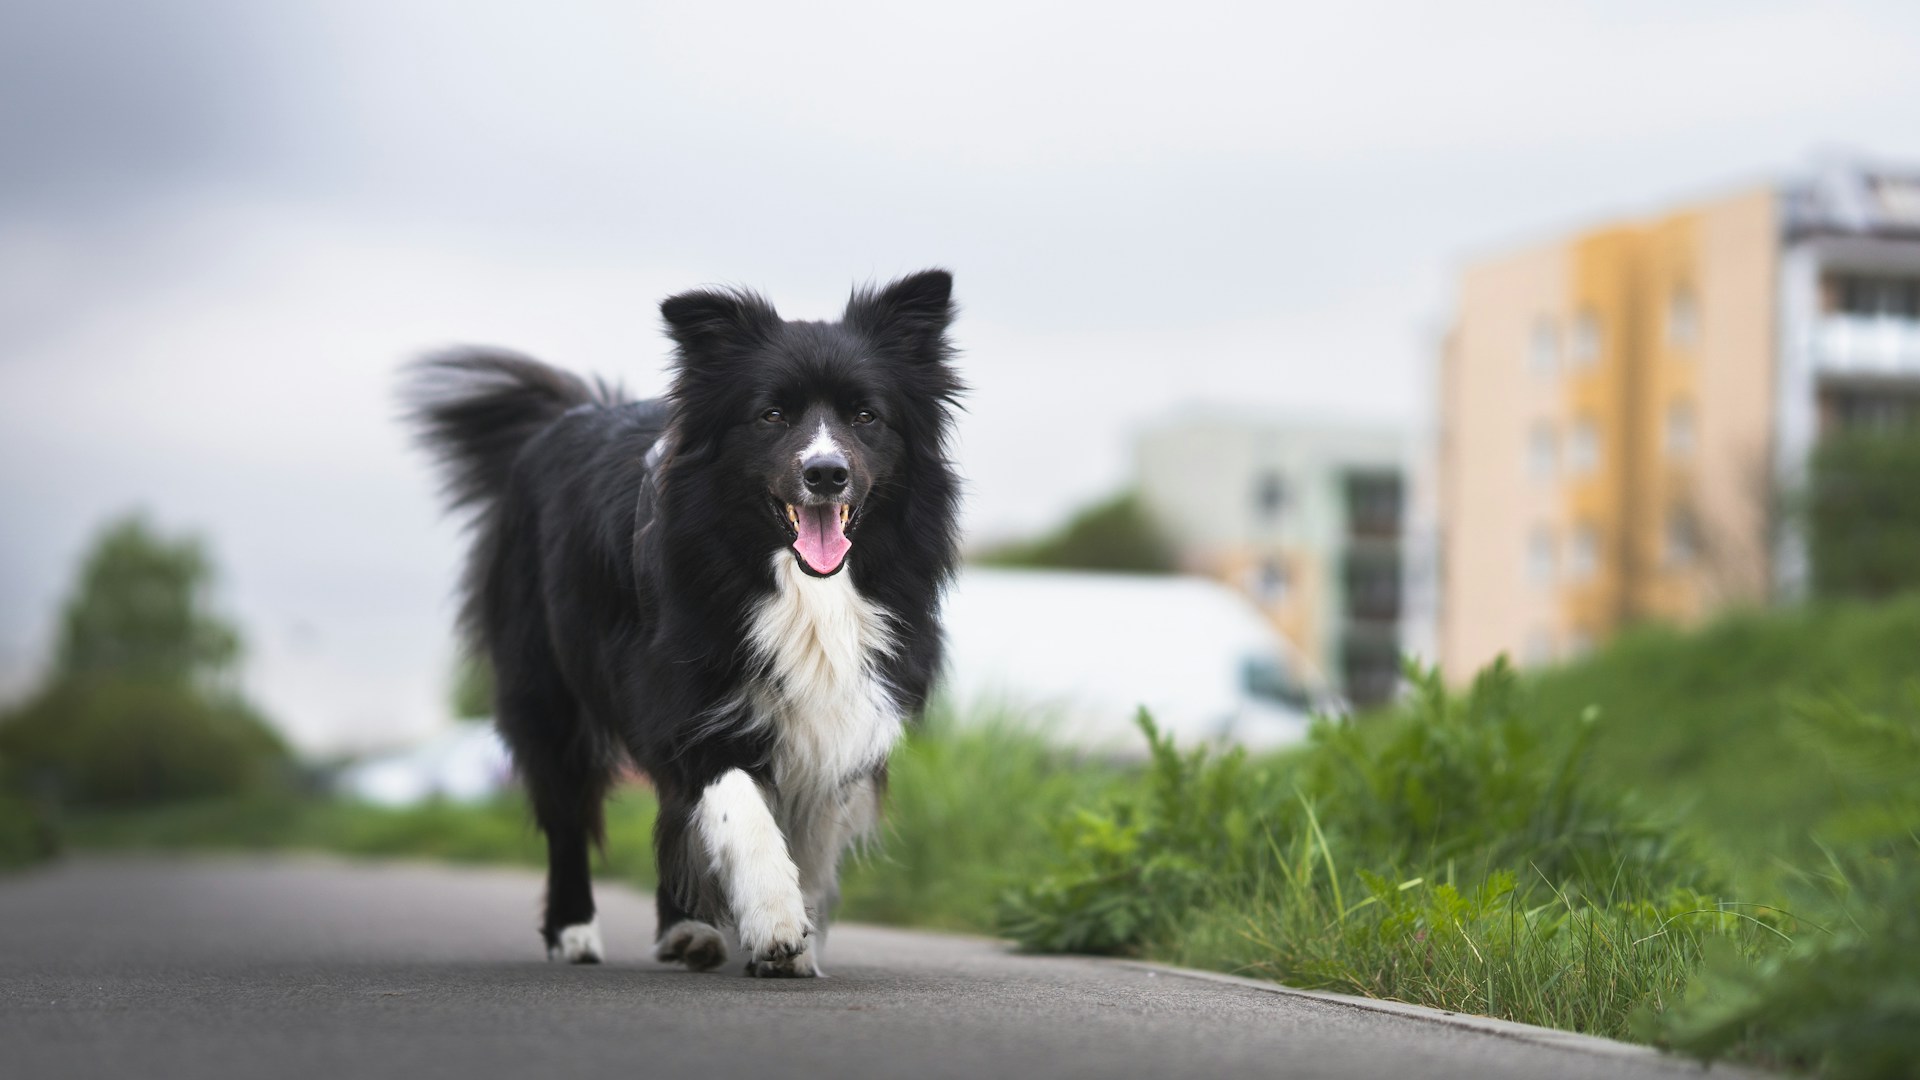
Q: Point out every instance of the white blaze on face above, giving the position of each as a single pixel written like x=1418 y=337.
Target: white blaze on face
x=820 y=525
x=823 y=443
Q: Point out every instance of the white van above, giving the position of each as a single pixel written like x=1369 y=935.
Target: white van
x=1082 y=652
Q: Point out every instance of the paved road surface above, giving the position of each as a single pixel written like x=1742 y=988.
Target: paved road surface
x=314 y=968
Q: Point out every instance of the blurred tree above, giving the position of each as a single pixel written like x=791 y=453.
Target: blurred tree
x=1115 y=534
x=1863 y=515
x=137 y=706
x=139 y=611
x=473 y=688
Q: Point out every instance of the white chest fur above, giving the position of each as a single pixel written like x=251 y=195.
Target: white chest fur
x=833 y=715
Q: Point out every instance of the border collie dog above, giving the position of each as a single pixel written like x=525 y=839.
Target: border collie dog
x=733 y=588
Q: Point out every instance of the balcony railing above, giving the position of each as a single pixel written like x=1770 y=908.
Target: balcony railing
x=1867 y=345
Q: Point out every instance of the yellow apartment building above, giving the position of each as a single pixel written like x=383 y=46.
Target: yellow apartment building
x=1618 y=409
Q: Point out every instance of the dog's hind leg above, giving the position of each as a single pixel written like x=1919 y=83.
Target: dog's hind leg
x=571 y=926
x=567 y=774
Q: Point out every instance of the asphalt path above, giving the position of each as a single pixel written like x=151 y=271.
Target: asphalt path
x=298 y=967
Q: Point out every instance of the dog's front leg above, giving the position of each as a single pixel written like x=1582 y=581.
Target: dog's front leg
x=750 y=855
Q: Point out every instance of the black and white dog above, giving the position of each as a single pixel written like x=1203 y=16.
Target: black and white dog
x=734 y=588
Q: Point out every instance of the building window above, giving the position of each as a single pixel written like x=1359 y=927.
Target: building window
x=1683 y=319
x=1270 y=495
x=1583 y=447
x=1882 y=408
x=1680 y=431
x=1586 y=339
x=1540 y=557
x=1583 y=553
x=1682 y=544
x=1543 y=453
x=1543 y=347
x=1373 y=504
x=1372 y=578
x=1885 y=297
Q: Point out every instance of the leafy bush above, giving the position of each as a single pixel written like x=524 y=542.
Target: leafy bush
x=110 y=742
x=471 y=695
x=1701 y=725
x=1863 y=515
x=1845 y=999
x=1476 y=777
x=1113 y=535
x=1124 y=873
x=27 y=834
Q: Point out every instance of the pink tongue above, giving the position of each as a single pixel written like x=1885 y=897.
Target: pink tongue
x=821 y=542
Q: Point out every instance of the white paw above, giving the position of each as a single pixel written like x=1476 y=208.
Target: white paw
x=693 y=943
x=775 y=928
x=579 y=944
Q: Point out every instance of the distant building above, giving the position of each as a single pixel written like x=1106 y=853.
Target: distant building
x=1619 y=409
x=1307 y=518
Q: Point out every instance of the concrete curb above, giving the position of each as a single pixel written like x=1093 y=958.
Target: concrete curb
x=1485 y=1025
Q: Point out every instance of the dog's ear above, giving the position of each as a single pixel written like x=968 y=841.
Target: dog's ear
x=910 y=315
x=708 y=321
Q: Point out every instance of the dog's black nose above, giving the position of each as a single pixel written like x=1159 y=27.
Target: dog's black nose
x=825 y=474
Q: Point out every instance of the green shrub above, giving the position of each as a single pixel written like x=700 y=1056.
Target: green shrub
x=1116 y=534
x=1846 y=998
x=1126 y=871
x=1863 y=515
x=118 y=742
x=1478 y=778
x=1700 y=725
x=27 y=834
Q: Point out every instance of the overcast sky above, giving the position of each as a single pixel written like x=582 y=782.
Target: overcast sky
x=223 y=223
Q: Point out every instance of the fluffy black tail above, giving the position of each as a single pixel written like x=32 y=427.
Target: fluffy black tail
x=476 y=408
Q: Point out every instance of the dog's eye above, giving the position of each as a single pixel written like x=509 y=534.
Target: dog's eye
x=774 y=416
x=864 y=416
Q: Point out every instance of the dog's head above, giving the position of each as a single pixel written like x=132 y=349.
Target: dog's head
x=815 y=429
